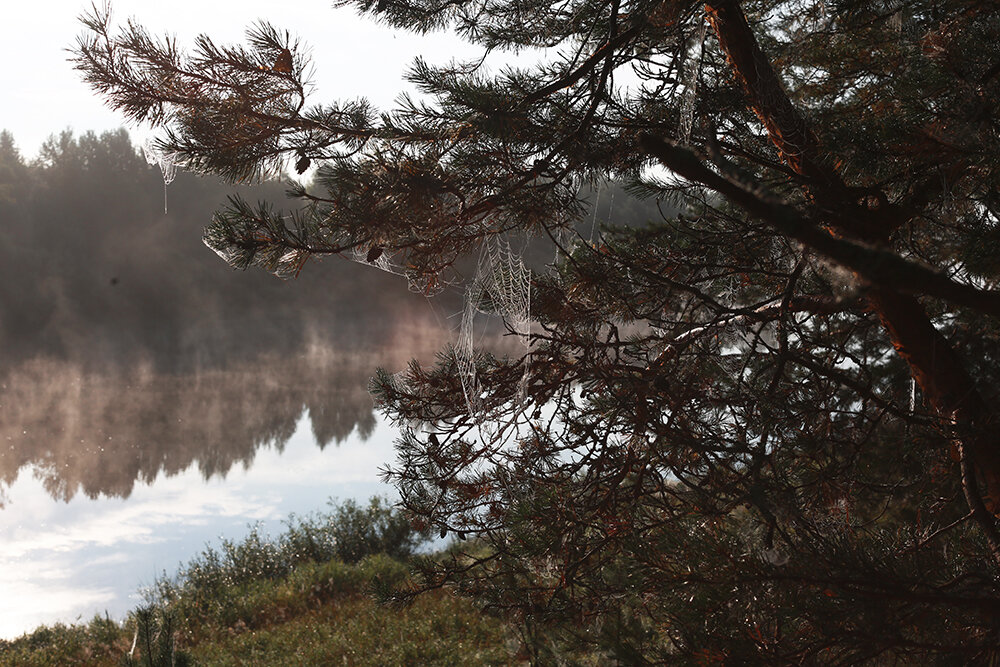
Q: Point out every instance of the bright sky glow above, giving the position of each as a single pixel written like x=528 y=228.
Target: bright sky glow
x=68 y=561
x=352 y=56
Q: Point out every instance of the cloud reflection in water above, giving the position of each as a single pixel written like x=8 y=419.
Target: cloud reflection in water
x=64 y=560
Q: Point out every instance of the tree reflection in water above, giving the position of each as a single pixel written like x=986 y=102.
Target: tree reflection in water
x=130 y=349
x=100 y=432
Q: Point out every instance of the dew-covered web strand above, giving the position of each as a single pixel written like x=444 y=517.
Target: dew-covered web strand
x=597 y=205
x=691 y=74
x=167 y=163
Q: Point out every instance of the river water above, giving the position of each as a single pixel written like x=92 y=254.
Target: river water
x=152 y=399
x=109 y=479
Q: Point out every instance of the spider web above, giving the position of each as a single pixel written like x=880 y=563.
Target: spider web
x=502 y=286
x=692 y=70
x=167 y=162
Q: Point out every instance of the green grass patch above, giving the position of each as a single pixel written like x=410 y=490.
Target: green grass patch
x=303 y=598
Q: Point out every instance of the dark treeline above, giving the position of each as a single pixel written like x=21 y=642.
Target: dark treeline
x=91 y=269
x=129 y=348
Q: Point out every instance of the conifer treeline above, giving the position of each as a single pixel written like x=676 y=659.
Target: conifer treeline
x=130 y=349
x=92 y=270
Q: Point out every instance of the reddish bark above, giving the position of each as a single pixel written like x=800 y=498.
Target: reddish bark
x=786 y=127
x=934 y=364
x=939 y=372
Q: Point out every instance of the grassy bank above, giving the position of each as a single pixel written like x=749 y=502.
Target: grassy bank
x=302 y=598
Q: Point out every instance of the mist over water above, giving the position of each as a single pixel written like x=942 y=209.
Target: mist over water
x=152 y=398
x=130 y=349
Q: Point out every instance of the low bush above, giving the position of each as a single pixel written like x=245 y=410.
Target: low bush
x=303 y=597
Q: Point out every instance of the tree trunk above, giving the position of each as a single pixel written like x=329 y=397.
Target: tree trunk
x=934 y=364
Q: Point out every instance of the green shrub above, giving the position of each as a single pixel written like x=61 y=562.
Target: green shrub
x=155 y=640
x=298 y=598
x=379 y=528
x=348 y=532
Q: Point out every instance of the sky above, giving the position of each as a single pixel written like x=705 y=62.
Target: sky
x=42 y=94
x=67 y=561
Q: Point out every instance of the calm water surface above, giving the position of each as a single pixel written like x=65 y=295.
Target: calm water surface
x=109 y=480
x=152 y=399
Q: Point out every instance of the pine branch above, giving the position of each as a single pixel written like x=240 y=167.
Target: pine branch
x=875 y=264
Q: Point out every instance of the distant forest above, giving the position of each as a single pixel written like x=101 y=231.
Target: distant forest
x=93 y=270
x=128 y=348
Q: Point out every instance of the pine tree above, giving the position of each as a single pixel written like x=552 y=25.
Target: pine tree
x=758 y=430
